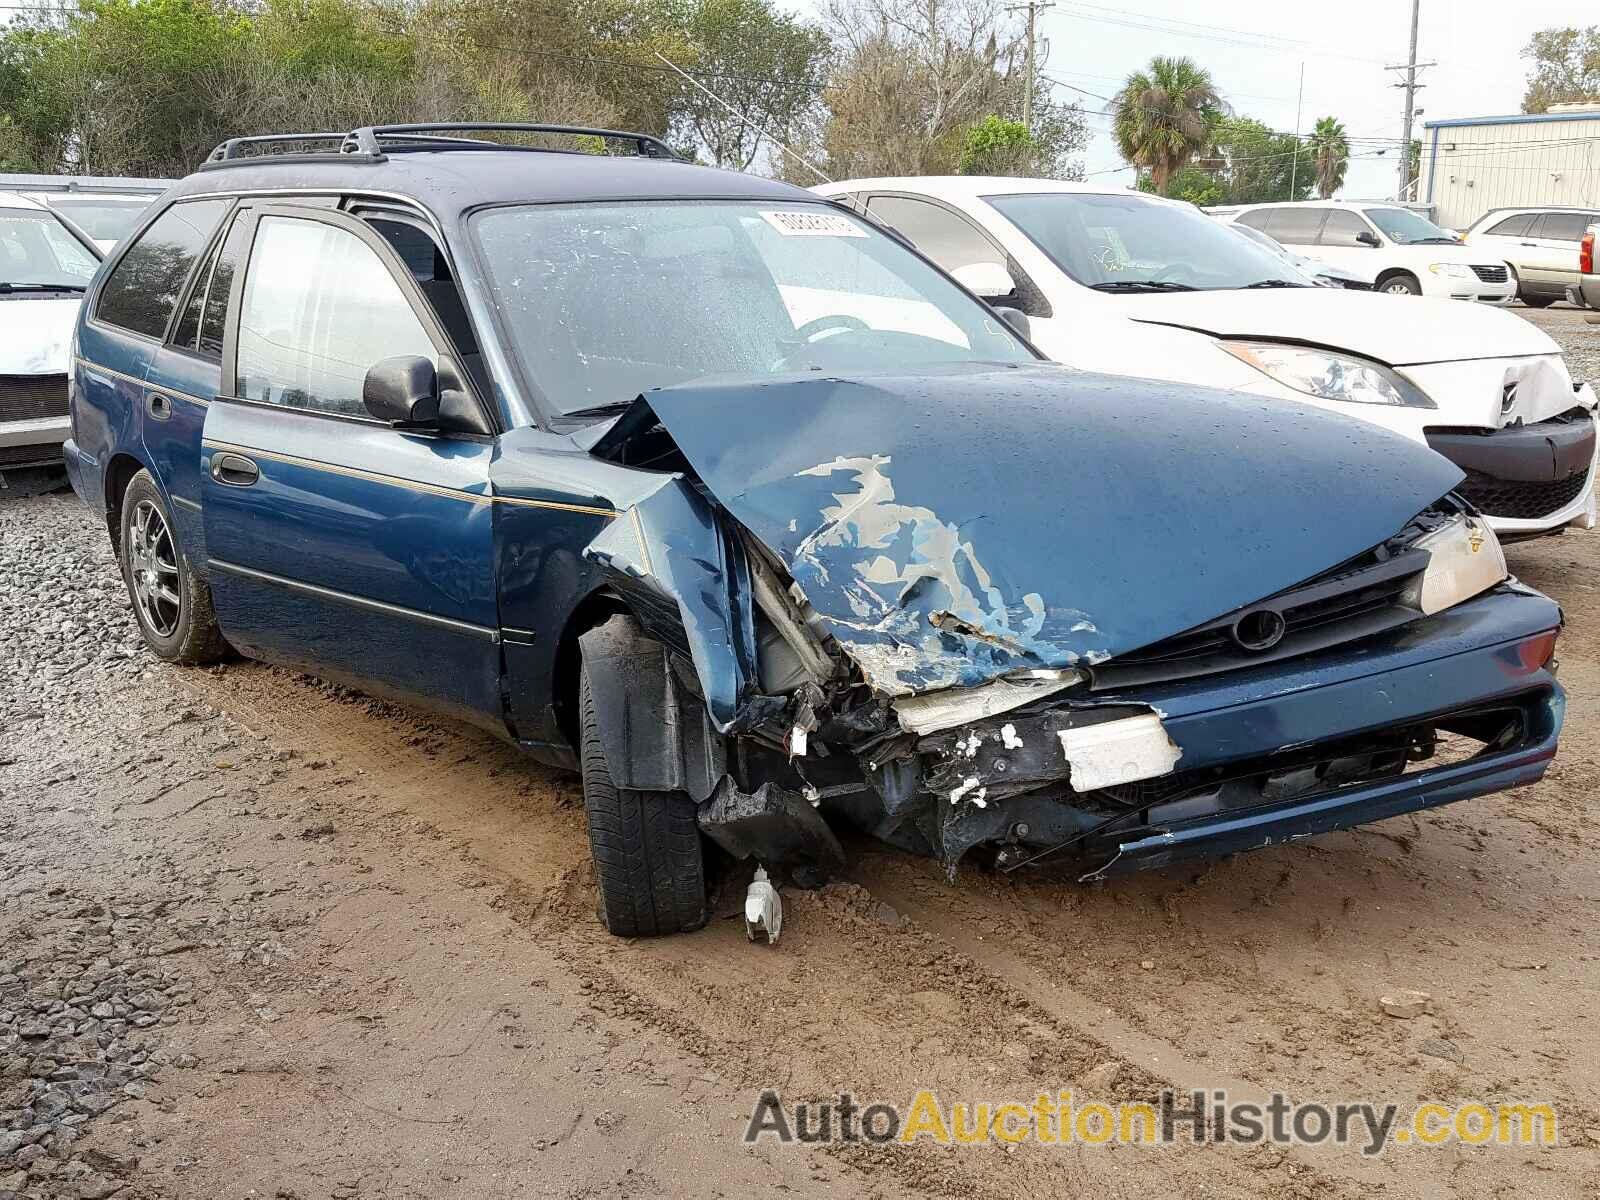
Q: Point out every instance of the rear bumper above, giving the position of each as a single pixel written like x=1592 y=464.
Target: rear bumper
x=1589 y=291
x=1385 y=683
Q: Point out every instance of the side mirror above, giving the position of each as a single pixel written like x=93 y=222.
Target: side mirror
x=403 y=390
x=986 y=280
x=1016 y=318
x=1367 y=238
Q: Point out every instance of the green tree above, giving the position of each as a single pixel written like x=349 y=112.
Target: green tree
x=762 y=62
x=996 y=146
x=1566 y=67
x=1255 y=164
x=1330 y=153
x=1164 y=116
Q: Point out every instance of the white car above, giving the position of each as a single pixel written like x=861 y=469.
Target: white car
x=1541 y=244
x=104 y=207
x=1111 y=280
x=45 y=264
x=1392 y=248
x=1323 y=273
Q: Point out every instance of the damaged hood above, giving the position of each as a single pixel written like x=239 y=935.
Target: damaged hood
x=956 y=526
x=35 y=333
x=1397 y=330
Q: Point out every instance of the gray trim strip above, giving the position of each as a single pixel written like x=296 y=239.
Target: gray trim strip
x=185 y=502
x=362 y=602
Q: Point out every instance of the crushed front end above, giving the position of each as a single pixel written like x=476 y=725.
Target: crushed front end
x=869 y=659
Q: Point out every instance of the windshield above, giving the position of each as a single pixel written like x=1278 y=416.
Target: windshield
x=605 y=301
x=37 y=253
x=1405 y=227
x=1124 y=242
x=103 y=219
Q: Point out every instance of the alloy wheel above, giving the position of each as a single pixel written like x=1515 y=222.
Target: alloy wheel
x=153 y=565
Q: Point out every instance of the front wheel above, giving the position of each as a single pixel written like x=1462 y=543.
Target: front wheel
x=172 y=603
x=1400 y=285
x=648 y=861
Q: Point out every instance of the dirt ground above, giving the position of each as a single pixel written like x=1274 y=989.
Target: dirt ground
x=328 y=948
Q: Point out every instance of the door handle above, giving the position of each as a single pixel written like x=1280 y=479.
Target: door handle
x=1533 y=244
x=157 y=405
x=234 y=470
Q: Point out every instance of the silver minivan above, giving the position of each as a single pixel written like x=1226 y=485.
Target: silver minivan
x=1541 y=244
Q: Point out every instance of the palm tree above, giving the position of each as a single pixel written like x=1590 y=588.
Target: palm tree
x=1330 y=153
x=1163 y=116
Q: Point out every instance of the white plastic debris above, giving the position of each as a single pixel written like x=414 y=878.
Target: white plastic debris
x=763 y=908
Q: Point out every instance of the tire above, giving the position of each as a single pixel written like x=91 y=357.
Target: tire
x=1538 y=301
x=1400 y=285
x=648 y=861
x=170 y=602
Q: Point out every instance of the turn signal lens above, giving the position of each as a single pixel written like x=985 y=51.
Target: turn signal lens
x=1537 y=652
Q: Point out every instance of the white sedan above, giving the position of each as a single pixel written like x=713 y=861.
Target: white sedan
x=1126 y=283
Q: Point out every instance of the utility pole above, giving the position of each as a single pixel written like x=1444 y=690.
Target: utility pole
x=1411 y=66
x=1033 y=8
x=1299 y=104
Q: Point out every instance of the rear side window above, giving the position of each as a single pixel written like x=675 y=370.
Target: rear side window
x=1257 y=219
x=144 y=287
x=1516 y=226
x=1564 y=227
x=1296 y=226
x=319 y=309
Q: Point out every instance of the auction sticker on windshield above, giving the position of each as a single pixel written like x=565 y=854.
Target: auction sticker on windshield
x=812 y=224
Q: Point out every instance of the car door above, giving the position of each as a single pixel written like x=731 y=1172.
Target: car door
x=337 y=543
x=1506 y=238
x=135 y=306
x=1554 y=250
x=1339 y=243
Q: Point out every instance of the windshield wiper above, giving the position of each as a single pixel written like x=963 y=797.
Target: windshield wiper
x=1142 y=285
x=42 y=287
x=1435 y=241
x=1274 y=283
x=601 y=410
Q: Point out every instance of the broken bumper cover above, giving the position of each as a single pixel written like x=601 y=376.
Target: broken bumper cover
x=1525 y=473
x=1481 y=664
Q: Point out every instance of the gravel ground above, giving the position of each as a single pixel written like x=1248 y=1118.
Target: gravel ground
x=265 y=937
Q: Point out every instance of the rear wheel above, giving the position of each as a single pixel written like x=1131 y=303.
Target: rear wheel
x=171 y=603
x=648 y=860
x=1400 y=285
x=1538 y=301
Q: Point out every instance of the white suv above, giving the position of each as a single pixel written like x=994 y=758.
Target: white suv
x=1541 y=244
x=1393 y=248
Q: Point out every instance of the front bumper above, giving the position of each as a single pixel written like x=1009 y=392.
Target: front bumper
x=1470 y=658
x=1528 y=474
x=33 y=442
x=1470 y=287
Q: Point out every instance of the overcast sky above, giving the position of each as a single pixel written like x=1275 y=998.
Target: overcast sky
x=1254 y=48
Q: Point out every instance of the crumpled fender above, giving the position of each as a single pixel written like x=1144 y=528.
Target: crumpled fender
x=688 y=581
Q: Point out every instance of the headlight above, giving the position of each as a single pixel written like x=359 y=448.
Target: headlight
x=1453 y=270
x=1327 y=375
x=1464 y=558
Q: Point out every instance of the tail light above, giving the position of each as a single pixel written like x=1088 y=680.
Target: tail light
x=1586 y=253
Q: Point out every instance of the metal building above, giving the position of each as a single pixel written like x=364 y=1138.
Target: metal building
x=1473 y=164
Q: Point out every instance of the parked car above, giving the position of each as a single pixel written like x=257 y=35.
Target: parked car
x=45 y=264
x=1324 y=274
x=1119 y=281
x=711 y=488
x=1541 y=244
x=1392 y=248
x=105 y=208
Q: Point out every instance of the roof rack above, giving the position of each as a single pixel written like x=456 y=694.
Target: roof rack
x=368 y=143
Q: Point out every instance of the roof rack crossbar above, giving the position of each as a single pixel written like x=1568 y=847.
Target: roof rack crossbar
x=366 y=140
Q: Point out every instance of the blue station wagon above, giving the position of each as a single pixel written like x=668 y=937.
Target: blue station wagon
x=726 y=497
